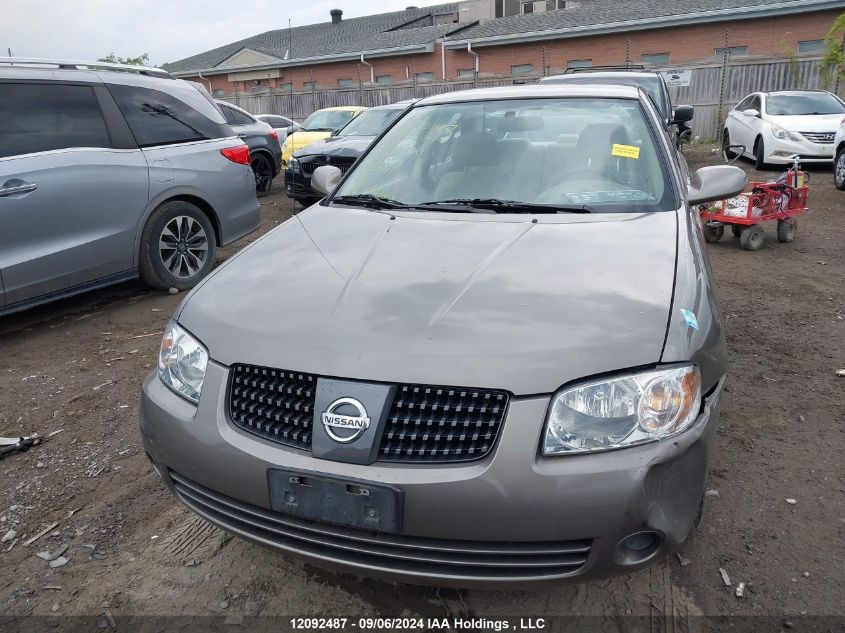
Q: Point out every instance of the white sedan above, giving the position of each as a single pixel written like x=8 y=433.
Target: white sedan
x=775 y=126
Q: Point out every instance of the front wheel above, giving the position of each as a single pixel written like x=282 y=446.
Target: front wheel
x=727 y=154
x=263 y=170
x=759 y=154
x=839 y=169
x=786 y=230
x=752 y=237
x=713 y=234
x=177 y=246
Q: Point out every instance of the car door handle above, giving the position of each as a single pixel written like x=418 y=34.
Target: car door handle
x=17 y=190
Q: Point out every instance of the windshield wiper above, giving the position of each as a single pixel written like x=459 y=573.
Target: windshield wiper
x=510 y=206
x=370 y=201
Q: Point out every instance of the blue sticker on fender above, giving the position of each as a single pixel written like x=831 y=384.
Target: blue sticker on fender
x=689 y=318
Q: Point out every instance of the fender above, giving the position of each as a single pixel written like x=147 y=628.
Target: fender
x=176 y=192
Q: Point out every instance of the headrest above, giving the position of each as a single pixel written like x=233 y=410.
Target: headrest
x=475 y=149
x=520 y=124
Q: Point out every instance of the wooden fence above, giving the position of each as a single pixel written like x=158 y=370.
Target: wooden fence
x=714 y=88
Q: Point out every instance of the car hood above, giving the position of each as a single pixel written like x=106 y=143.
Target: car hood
x=808 y=122
x=433 y=298
x=337 y=146
x=300 y=139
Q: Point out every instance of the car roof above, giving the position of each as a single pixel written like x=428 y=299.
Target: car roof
x=615 y=74
x=792 y=92
x=343 y=108
x=537 y=91
x=234 y=107
x=85 y=76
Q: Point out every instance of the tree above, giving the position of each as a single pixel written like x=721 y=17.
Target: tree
x=111 y=58
x=833 y=62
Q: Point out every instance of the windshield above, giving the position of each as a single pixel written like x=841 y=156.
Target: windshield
x=594 y=152
x=810 y=103
x=327 y=120
x=371 y=122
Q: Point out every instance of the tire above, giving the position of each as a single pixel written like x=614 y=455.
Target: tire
x=736 y=229
x=186 y=228
x=839 y=169
x=759 y=154
x=726 y=141
x=263 y=170
x=752 y=237
x=713 y=234
x=786 y=230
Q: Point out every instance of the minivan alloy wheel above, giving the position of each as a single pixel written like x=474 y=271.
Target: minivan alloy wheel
x=183 y=246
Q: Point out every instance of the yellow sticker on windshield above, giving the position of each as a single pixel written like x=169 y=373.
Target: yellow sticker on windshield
x=625 y=151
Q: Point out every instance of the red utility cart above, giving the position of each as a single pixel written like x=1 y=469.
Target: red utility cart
x=782 y=201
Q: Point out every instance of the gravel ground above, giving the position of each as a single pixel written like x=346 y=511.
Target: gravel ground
x=76 y=367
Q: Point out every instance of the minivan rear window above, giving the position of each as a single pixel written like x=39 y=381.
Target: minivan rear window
x=157 y=118
x=43 y=117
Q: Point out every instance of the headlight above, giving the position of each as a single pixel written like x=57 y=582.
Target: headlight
x=285 y=144
x=623 y=411
x=293 y=164
x=779 y=132
x=181 y=362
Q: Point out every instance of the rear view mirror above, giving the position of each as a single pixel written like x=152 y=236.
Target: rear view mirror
x=715 y=183
x=751 y=112
x=683 y=114
x=325 y=179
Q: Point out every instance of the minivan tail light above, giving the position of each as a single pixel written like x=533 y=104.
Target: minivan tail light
x=238 y=154
x=274 y=135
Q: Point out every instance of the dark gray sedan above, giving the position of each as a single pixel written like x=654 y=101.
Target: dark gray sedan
x=487 y=357
x=265 y=152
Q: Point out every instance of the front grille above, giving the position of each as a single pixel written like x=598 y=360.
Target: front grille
x=439 y=558
x=425 y=423
x=442 y=424
x=824 y=138
x=273 y=403
x=343 y=164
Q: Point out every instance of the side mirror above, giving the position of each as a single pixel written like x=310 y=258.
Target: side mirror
x=683 y=114
x=715 y=183
x=325 y=179
x=751 y=112
x=291 y=130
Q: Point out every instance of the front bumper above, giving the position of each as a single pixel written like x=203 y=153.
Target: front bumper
x=779 y=152
x=298 y=185
x=507 y=520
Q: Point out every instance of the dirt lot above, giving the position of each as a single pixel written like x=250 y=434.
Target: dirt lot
x=76 y=367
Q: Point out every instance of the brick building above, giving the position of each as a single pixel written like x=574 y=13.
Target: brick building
x=509 y=38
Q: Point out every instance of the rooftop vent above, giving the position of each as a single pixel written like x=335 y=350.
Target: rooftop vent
x=337 y=16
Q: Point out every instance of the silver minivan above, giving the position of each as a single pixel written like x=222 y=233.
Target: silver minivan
x=492 y=355
x=108 y=172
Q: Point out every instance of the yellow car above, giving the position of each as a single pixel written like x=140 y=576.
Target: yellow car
x=318 y=126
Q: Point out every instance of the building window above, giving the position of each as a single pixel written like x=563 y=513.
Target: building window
x=218 y=92
x=655 y=58
x=345 y=83
x=732 y=51
x=384 y=80
x=551 y=5
x=527 y=7
x=309 y=85
x=285 y=87
x=466 y=72
x=810 y=46
x=425 y=76
x=522 y=69
x=579 y=63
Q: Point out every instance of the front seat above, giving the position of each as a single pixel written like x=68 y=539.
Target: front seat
x=595 y=146
x=476 y=161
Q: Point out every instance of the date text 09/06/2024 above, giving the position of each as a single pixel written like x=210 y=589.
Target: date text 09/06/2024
x=423 y=624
